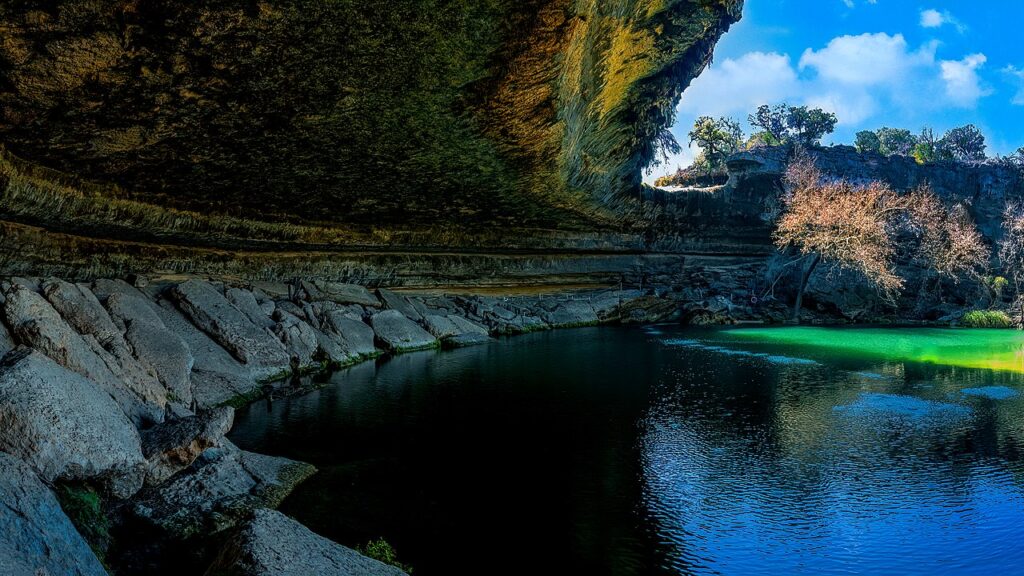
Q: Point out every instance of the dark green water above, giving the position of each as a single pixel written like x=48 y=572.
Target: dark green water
x=667 y=451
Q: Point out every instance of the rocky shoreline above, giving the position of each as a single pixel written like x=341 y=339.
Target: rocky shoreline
x=116 y=396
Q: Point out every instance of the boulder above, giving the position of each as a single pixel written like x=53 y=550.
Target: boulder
x=6 y=341
x=173 y=446
x=299 y=338
x=440 y=326
x=221 y=487
x=393 y=301
x=272 y=544
x=467 y=326
x=465 y=340
x=36 y=537
x=65 y=426
x=83 y=311
x=568 y=314
x=211 y=311
x=400 y=334
x=352 y=334
x=246 y=303
x=317 y=291
x=291 y=308
x=157 y=348
x=216 y=375
x=37 y=324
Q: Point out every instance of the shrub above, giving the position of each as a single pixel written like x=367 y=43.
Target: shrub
x=382 y=551
x=986 y=319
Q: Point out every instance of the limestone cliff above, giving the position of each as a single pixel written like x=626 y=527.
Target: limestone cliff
x=399 y=114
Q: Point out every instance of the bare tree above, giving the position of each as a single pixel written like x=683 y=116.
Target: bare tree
x=1011 y=253
x=841 y=223
x=950 y=244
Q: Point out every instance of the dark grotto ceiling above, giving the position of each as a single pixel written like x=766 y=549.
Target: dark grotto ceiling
x=532 y=113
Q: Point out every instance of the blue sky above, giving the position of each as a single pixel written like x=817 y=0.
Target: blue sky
x=899 y=63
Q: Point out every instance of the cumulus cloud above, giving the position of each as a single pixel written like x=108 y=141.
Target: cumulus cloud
x=736 y=86
x=932 y=18
x=963 y=85
x=853 y=76
x=857 y=77
x=1018 y=75
x=868 y=59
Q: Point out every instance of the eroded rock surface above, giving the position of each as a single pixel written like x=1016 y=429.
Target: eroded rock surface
x=400 y=334
x=37 y=324
x=36 y=537
x=215 y=315
x=65 y=426
x=272 y=544
x=219 y=489
x=173 y=446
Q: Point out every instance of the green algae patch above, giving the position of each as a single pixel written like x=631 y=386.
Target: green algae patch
x=974 y=348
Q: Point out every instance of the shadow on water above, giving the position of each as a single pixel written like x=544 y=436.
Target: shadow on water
x=661 y=451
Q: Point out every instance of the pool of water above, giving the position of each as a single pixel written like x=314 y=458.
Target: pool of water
x=672 y=451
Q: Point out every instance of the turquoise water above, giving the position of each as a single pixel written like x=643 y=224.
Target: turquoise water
x=672 y=451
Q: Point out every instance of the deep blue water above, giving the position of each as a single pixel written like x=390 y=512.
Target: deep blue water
x=660 y=451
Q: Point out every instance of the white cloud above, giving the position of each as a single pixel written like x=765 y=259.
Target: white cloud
x=853 y=76
x=1018 y=75
x=738 y=86
x=963 y=86
x=932 y=18
x=867 y=60
x=861 y=78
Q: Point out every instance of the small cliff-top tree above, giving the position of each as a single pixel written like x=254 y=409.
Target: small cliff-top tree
x=840 y=223
x=966 y=144
x=785 y=124
x=896 y=141
x=868 y=142
x=717 y=139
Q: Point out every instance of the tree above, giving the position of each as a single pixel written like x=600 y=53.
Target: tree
x=867 y=141
x=784 y=124
x=771 y=120
x=927 y=149
x=841 y=223
x=949 y=243
x=761 y=140
x=966 y=144
x=717 y=139
x=896 y=141
x=1011 y=253
x=807 y=126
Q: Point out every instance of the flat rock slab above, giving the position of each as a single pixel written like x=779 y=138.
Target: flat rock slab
x=465 y=340
x=272 y=544
x=400 y=334
x=36 y=537
x=37 y=324
x=65 y=426
x=216 y=375
x=568 y=314
x=317 y=291
x=222 y=487
x=214 y=314
x=394 y=301
x=247 y=304
x=353 y=335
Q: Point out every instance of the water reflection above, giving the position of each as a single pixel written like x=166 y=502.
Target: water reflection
x=887 y=469
x=606 y=451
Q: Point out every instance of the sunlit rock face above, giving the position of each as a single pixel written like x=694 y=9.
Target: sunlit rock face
x=411 y=112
